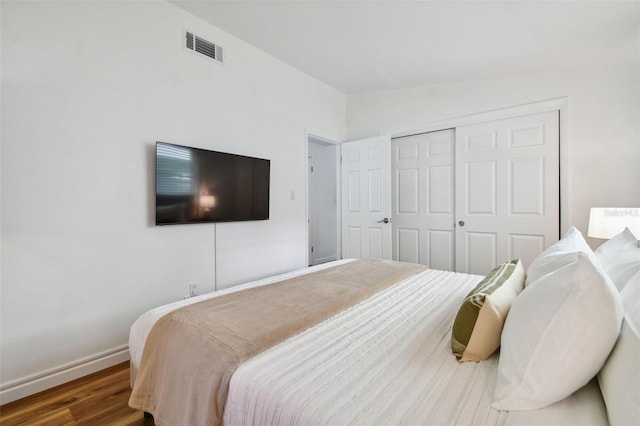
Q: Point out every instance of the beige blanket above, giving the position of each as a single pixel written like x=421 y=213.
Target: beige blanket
x=191 y=353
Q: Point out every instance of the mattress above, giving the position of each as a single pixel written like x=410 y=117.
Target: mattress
x=386 y=360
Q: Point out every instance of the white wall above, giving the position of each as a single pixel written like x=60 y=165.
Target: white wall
x=604 y=123
x=87 y=89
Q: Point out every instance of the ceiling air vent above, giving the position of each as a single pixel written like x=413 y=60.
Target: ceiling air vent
x=204 y=47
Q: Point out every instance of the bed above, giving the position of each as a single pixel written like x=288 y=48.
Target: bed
x=384 y=360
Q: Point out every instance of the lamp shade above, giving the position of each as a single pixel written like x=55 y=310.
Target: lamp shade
x=607 y=222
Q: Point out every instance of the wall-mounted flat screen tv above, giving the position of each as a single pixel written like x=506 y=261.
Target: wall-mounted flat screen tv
x=197 y=185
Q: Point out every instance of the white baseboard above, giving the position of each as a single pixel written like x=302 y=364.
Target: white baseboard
x=38 y=382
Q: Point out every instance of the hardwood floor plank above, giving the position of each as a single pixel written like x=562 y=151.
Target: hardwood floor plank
x=101 y=400
x=116 y=416
x=53 y=418
x=98 y=399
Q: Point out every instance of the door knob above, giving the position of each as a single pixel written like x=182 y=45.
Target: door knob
x=385 y=220
x=461 y=223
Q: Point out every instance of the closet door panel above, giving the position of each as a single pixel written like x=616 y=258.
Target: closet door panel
x=507 y=186
x=422 y=199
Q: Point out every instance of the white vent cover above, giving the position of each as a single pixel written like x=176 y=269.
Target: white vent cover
x=204 y=47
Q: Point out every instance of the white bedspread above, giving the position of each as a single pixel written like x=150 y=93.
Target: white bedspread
x=386 y=361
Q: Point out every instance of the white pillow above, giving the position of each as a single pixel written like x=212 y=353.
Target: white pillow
x=617 y=243
x=620 y=257
x=619 y=379
x=559 y=254
x=557 y=336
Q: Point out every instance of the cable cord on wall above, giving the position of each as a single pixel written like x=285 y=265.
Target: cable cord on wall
x=215 y=257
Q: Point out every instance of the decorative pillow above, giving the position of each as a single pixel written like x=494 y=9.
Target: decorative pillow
x=478 y=324
x=619 y=379
x=557 y=336
x=620 y=257
x=558 y=255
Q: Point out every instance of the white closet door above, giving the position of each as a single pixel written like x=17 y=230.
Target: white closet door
x=423 y=199
x=507 y=190
x=366 y=198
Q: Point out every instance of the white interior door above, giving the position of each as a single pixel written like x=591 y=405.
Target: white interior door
x=366 y=198
x=423 y=199
x=507 y=190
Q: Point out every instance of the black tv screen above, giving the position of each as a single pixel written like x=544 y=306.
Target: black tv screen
x=197 y=185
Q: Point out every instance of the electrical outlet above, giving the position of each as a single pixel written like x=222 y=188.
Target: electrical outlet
x=193 y=289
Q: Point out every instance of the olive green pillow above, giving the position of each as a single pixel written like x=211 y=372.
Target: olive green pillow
x=478 y=324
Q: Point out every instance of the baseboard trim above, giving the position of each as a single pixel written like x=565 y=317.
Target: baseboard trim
x=47 y=379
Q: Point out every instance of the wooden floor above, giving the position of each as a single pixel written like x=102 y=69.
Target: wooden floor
x=98 y=399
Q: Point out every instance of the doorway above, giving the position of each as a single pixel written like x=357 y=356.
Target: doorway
x=322 y=186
